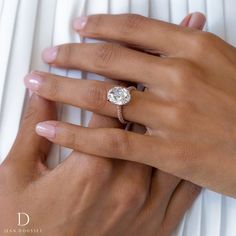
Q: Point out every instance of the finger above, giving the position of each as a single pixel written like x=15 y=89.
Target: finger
x=196 y=20
x=136 y=30
x=92 y=96
x=162 y=188
x=29 y=148
x=108 y=59
x=160 y=152
x=99 y=121
x=81 y=163
x=110 y=143
x=84 y=167
x=182 y=199
x=131 y=181
x=124 y=174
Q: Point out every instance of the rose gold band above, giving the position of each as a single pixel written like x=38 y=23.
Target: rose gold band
x=120 y=109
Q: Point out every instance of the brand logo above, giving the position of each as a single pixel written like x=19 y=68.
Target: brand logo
x=23 y=219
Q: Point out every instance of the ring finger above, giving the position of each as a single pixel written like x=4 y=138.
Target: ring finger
x=92 y=96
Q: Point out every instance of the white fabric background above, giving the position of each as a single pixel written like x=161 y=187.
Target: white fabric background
x=28 y=26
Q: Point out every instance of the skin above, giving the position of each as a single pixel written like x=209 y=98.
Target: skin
x=189 y=104
x=99 y=195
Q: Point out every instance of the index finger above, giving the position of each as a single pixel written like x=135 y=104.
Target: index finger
x=155 y=35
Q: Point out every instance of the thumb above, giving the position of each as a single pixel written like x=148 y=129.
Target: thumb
x=30 y=149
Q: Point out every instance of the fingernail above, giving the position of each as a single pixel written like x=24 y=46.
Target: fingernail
x=80 y=23
x=46 y=130
x=50 y=54
x=33 y=82
x=197 y=20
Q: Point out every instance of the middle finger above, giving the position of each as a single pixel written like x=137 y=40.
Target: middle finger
x=110 y=60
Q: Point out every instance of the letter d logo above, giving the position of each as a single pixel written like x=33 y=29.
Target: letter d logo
x=23 y=219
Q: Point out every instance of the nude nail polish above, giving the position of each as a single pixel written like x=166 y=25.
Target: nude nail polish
x=46 y=130
x=197 y=21
x=80 y=23
x=50 y=54
x=33 y=82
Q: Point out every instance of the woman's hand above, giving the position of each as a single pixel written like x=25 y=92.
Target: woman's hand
x=189 y=104
x=84 y=195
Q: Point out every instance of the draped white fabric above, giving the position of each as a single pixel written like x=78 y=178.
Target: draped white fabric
x=27 y=27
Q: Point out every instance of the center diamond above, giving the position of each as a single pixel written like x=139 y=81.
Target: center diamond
x=119 y=96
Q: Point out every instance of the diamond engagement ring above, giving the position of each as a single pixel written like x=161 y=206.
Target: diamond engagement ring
x=120 y=96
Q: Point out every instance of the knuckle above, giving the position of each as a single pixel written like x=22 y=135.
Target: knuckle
x=95 y=25
x=53 y=88
x=187 y=161
x=132 y=23
x=97 y=170
x=193 y=190
x=202 y=40
x=70 y=139
x=119 y=142
x=183 y=69
x=105 y=54
x=183 y=76
x=131 y=197
x=30 y=113
x=178 y=117
x=66 y=54
x=96 y=96
x=29 y=119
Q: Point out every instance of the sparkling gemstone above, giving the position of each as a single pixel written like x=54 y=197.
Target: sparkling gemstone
x=119 y=96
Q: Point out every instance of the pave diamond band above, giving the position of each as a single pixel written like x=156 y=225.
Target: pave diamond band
x=120 y=96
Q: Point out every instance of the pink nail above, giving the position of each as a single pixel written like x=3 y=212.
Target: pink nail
x=80 y=23
x=33 y=82
x=50 y=54
x=197 y=21
x=46 y=130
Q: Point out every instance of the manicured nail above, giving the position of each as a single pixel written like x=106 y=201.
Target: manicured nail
x=197 y=20
x=80 y=23
x=46 y=130
x=50 y=54
x=33 y=82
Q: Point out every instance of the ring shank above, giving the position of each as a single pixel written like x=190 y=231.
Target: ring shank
x=120 y=109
